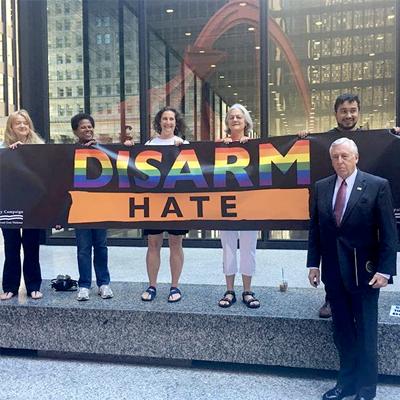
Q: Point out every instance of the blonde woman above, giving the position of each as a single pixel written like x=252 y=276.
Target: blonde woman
x=238 y=125
x=19 y=131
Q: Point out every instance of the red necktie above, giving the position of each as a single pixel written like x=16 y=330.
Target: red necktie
x=340 y=202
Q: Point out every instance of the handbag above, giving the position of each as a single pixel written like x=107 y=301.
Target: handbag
x=64 y=283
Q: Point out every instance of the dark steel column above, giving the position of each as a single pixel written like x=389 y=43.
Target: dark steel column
x=264 y=122
x=144 y=73
x=121 y=40
x=33 y=55
x=5 y=61
x=397 y=65
x=86 y=72
x=14 y=53
x=264 y=68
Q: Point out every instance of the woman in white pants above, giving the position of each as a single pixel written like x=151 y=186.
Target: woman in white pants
x=238 y=125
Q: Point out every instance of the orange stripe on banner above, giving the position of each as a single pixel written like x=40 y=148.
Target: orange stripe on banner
x=267 y=204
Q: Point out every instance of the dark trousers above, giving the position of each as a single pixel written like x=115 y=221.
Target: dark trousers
x=29 y=239
x=355 y=330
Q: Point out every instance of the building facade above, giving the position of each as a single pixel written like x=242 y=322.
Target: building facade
x=122 y=60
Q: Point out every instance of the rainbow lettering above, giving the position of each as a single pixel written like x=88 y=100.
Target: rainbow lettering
x=237 y=168
x=81 y=167
x=152 y=173
x=194 y=172
x=122 y=168
x=299 y=152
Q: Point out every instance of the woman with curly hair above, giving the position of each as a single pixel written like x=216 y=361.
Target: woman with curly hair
x=170 y=130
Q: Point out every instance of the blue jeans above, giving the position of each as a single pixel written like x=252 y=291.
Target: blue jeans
x=85 y=240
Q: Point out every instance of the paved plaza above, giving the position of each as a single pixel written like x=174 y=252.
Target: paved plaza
x=24 y=376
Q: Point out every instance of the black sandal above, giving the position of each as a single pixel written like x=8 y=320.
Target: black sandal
x=152 y=291
x=251 y=302
x=172 y=291
x=226 y=301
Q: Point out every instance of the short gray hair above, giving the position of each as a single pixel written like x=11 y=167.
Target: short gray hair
x=344 y=140
x=247 y=118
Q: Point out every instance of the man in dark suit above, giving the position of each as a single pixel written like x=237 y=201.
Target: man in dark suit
x=347 y=109
x=353 y=234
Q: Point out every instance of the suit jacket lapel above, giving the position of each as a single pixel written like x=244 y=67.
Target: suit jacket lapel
x=358 y=189
x=329 y=196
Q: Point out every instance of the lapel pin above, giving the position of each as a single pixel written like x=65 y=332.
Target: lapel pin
x=359 y=188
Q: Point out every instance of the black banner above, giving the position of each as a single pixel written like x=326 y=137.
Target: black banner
x=263 y=184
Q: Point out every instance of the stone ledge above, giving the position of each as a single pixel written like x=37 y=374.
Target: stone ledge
x=285 y=331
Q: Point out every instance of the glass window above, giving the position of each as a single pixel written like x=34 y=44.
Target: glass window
x=104 y=75
x=158 y=75
x=352 y=57
x=189 y=102
x=130 y=116
x=342 y=58
x=222 y=57
x=62 y=104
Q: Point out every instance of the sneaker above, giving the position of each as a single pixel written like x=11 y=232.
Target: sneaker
x=83 y=294
x=105 y=292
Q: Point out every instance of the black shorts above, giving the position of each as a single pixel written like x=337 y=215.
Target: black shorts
x=157 y=232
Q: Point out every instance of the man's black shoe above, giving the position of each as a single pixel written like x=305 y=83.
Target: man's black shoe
x=338 y=393
x=366 y=393
x=364 y=397
x=325 y=311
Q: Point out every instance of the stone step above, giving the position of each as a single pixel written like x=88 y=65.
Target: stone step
x=284 y=331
